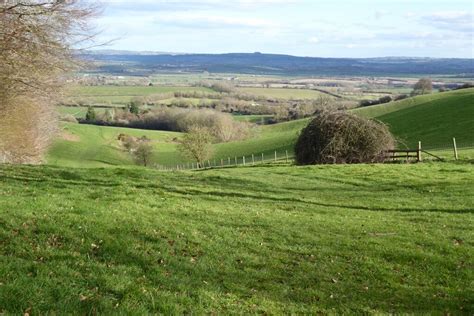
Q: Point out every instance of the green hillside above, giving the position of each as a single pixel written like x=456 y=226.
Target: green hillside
x=93 y=146
x=353 y=239
x=98 y=146
x=433 y=119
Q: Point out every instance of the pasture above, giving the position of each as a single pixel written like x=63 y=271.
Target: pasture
x=123 y=94
x=432 y=119
x=274 y=240
x=283 y=93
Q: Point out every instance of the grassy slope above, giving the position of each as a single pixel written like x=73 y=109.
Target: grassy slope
x=97 y=146
x=333 y=239
x=432 y=119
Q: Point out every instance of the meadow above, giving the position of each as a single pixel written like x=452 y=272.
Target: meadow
x=276 y=239
x=283 y=93
x=121 y=95
x=432 y=119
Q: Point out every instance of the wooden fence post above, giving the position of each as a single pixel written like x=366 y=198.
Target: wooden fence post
x=209 y=163
x=275 y=156
x=236 y=161
x=418 y=156
x=455 y=149
x=222 y=162
x=253 y=159
x=243 y=159
x=262 y=158
x=228 y=160
x=286 y=152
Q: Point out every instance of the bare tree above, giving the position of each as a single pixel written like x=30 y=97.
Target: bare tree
x=143 y=154
x=197 y=145
x=423 y=86
x=37 y=38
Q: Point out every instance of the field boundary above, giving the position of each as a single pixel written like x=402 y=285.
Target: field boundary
x=287 y=157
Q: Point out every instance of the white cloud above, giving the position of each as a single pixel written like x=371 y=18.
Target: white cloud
x=380 y=14
x=314 y=40
x=461 y=21
x=205 y=20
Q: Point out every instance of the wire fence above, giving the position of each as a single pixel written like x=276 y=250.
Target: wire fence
x=440 y=151
x=234 y=161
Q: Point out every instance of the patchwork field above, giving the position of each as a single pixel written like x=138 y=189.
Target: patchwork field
x=121 y=95
x=273 y=240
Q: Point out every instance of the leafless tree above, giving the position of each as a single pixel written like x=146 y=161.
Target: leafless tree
x=423 y=86
x=197 y=145
x=37 y=43
x=143 y=154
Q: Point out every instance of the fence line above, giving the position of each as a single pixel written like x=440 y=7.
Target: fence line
x=455 y=149
x=234 y=161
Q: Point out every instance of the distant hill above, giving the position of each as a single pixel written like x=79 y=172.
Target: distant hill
x=143 y=63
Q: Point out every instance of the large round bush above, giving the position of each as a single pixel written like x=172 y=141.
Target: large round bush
x=341 y=137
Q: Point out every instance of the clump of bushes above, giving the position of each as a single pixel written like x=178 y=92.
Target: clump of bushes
x=341 y=137
x=140 y=148
x=222 y=126
x=382 y=100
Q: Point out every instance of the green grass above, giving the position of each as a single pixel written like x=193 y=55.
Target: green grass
x=124 y=94
x=283 y=93
x=98 y=146
x=258 y=119
x=432 y=119
x=263 y=240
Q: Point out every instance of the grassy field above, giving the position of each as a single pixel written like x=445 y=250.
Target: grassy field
x=258 y=119
x=98 y=146
x=267 y=240
x=124 y=94
x=432 y=119
x=283 y=93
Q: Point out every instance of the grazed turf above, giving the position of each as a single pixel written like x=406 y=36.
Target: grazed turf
x=330 y=239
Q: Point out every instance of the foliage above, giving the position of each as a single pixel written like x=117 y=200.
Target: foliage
x=91 y=115
x=196 y=144
x=133 y=108
x=340 y=137
x=382 y=100
x=222 y=126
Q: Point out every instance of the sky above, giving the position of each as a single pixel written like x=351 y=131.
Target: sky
x=332 y=28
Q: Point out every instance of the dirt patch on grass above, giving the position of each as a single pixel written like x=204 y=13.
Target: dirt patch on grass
x=70 y=137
